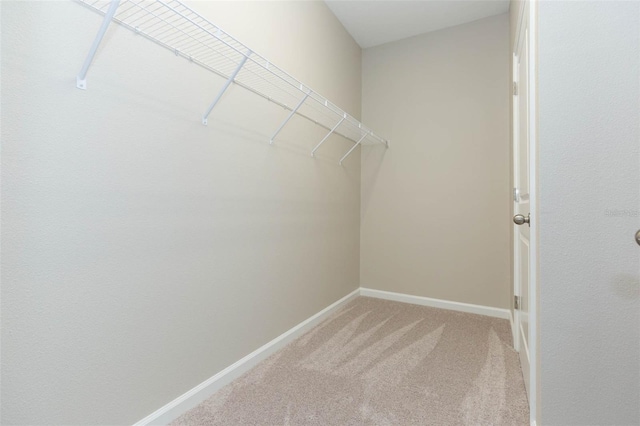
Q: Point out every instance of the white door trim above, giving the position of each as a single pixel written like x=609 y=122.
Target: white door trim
x=528 y=13
x=515 y=326
x=533 y=204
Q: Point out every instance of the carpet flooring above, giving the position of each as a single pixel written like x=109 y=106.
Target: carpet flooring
x=377 y=362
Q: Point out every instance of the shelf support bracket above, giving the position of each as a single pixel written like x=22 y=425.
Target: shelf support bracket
x=313 y=152
x=230 y=80
x=353 y=147
x=81 y=79
x=291 y=114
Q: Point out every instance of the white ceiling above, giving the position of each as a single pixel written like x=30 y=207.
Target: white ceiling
x=372 y=23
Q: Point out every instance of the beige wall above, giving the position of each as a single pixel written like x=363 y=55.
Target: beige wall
x=141 y=251
x=435 y=207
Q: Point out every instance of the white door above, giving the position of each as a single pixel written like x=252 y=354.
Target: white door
x=523 y=197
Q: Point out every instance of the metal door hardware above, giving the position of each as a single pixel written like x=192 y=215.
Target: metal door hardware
x=521 y=219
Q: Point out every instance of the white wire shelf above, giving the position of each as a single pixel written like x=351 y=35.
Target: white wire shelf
x=178 y=28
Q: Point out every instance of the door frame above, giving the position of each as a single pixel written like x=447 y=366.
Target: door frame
x=528 y=14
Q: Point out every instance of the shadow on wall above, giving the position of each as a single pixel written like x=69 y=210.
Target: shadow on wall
x=372 y=157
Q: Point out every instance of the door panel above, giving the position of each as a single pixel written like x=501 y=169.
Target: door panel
x=522 y=201
x=524 y=290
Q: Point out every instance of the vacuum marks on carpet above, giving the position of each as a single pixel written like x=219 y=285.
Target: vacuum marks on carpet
x=377 y=362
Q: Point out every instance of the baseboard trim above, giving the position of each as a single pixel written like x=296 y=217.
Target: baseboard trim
x=437 y=303
x=513 y=328
x=204 y=390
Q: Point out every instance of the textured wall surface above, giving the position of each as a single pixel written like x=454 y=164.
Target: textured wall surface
x=435 y=207
x=589 y=201
x=141 y=251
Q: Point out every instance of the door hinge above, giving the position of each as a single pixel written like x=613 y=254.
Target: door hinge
x=515 y=89
x=516 y=302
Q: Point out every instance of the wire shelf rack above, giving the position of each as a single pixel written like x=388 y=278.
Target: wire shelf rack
x=178 y=28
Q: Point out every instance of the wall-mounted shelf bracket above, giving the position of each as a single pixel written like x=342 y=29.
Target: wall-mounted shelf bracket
x=291 y=114
x=313 y=152
x=81 y=79
x=353 y=147
x=230 y=80
x=173 y=25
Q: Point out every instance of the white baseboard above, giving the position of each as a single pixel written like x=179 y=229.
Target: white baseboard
x=513 y=328
x=437 y=303
x=204 y=390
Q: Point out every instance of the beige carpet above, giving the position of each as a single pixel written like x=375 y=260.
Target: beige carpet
x=377 y=362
